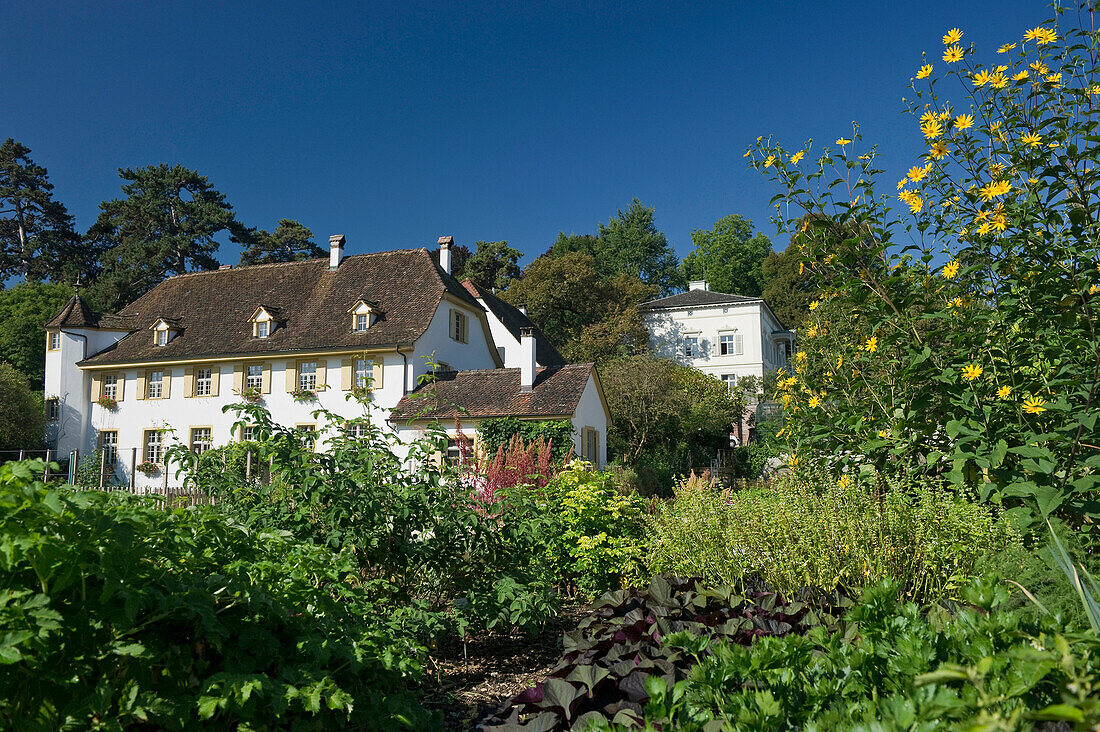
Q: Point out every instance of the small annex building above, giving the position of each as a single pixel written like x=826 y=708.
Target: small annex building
x=296 y=337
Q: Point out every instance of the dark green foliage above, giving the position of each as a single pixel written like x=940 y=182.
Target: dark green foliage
x=587 y=316
x=91 y=469
x=493 y=265
x=24 y=311
x=119 y=614
x=497 y=433
x=789 y=288
x=752 y=458
x=642 y=642
x=37 y=240
x=729 y=257
x=442 y=560
x=978 y=667
x=22 y=419
x=291 y=242
x=165 y=224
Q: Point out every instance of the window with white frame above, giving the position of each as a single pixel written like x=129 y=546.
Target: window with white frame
x=55 y=341
x=730 y=380
x=110 y=386
x=307 y=376
x=363 y=368
x=254 y=376
x=691 y=346
x=454 y=452
x=154 y=385
x=459 y=326
x=263 y=329
x=204 y=381
x=200 y=440
x=731 y=344
x=357 y=430
x=161 y=338
x=153 y=446
x=248 y=433
x=108 y=443
x=308 y=435
x=53 y=409
x=362 y=322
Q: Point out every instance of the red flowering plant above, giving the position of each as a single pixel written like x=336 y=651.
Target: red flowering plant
x=107 y=402
x=513 y=465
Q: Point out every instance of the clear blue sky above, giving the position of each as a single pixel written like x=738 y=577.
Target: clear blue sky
x=394 y=123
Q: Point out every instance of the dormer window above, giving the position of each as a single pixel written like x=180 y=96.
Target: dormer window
x=364 y=314
x=163 y=332
x=264 y=322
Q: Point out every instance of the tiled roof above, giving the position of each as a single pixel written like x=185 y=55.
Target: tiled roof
x=213 y=308
x=696 y=298
x=75 y=314
x=495 y=393
x=513 y=319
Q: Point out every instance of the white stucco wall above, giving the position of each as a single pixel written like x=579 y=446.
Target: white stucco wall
x=590 y=413
x=753 y=321
x=437 y=345
x=67 y=383
x=506 y=343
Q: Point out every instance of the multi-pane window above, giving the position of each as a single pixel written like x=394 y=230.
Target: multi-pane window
x=153 y=450
x=110 y=386
x=53 y=409
x=200 y=440
x=154 y=385
x=363 y=368
x=307 y=376
x=357 y=430
x=254 y=376
x=108 y=442
x=162 y=338
x=730 y=380
x=204 y=380
x=454 y=452
x=55 y=341
x=731 y=344
x=691 y=346
x=308 y=433
x=459 y=326
x=593 y=447
x=248 y=432
x=362 y=322
x=263 y=329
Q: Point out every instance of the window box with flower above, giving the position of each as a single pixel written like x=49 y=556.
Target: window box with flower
x=303 y=395
x=107 y=402
x=148 y=468
x=251 y=394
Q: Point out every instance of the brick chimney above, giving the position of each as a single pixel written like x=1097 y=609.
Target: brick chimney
x=335 y=250
x=527 y=365
x=445 y=244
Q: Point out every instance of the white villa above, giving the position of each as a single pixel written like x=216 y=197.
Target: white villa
x=298 y=336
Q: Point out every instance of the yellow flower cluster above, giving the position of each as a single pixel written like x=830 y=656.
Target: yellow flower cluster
x=950 y=270
x=1041 y=36
x=913 y=200
x=871 y=345
x=971 y=371
x=1034 y=405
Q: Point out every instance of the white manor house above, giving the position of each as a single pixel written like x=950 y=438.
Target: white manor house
x=297 y=336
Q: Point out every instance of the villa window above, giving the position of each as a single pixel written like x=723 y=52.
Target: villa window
x=454 y=452
x=363 y=367
x=263 y=329
x=154 y=385
x=731 y=344
x=357 y=431
x=201 y=440
x=308 y=435
x=108 y=443
x=459 y=326
x=248 y=433
x=307 y=376
x=55 y=341
x=110 y=386
x=730 y=380
x=161 y=338
x=153 y=446
x=254 y=376
x=362 y=322
x=53 y=409
x=691 y=346
x=204 y=381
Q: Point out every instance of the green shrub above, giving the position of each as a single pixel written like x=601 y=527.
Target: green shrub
x=118 y=613
x=841 y=536
x=497 y=433
x=981 y=668
x=600 y=530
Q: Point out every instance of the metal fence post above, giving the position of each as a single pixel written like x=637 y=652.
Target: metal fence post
x=21 y=453
x=47 y=477
x=133 y=470
x=102 y=468
x=248 y=465
x=74 y=458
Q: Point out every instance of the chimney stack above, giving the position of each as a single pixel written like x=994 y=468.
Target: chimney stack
x=526 y=359
x=445 y=244
x=335 y=250
x=698 y=285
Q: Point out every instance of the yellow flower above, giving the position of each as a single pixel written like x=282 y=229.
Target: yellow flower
x=871 y=345
x=938 y=151
x=994 y=189
x=932 y=129
x=811 y=332
x=981 y=78
x=1021 y=76
x=814 y=304
x=1006 y=48
x=802 y=265
x=844 y=482
x=964 y=122
x=971 y=372
x=998 y=81
x=1053 y=78
x=769 y=161
x=918 y=174
x=1039 y=68
x=1041 y=35
x=839 y=361
x=883 y=434
x=1031 y=139
x=793 y=461
x=916 y=203
x=950 y=270
x=925 y=71
x=1094 y=90
x=996 y=169
x=797 y=156
x=1004 y=391
x=800 y=356
x=953 y=36
x=1000 y=221
x=952 y=54
x=843 y=141
x=928 y=116
x=984 y=228
x=814 y=402
x=902 y=183
x=1034 y=405
x=1094 y=289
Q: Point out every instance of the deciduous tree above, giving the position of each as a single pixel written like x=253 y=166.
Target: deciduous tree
x=22 y=421
x=24 y=310
x=788 y=287
x=290 y=242
x=729 y=257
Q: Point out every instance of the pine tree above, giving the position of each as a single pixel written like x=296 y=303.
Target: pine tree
x=291 y=242
x=37 y=240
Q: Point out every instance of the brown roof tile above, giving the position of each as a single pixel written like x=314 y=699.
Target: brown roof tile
x=495 y=393
x=514 y=320
x=213 y=308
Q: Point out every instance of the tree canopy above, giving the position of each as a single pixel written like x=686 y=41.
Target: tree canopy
x=729 y=257
x=24 y=310
x=22 y=422
x=493 y=265
x=290 y=242
x=37 y=240
x=165 y=224
x=788 y=287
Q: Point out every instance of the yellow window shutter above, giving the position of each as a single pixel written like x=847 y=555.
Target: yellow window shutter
x=120 y=388
x=140 y=390
x=238 y=378
x=346 y=367
x=189 y=381
x=322 y=370
x=97 y=387
x=291 y=376
x=265 y=378
x=215 y=379
x=166 y=390
x=376 y=375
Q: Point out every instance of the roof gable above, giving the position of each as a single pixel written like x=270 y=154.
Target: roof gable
x=514 y=320
x=697 y=298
